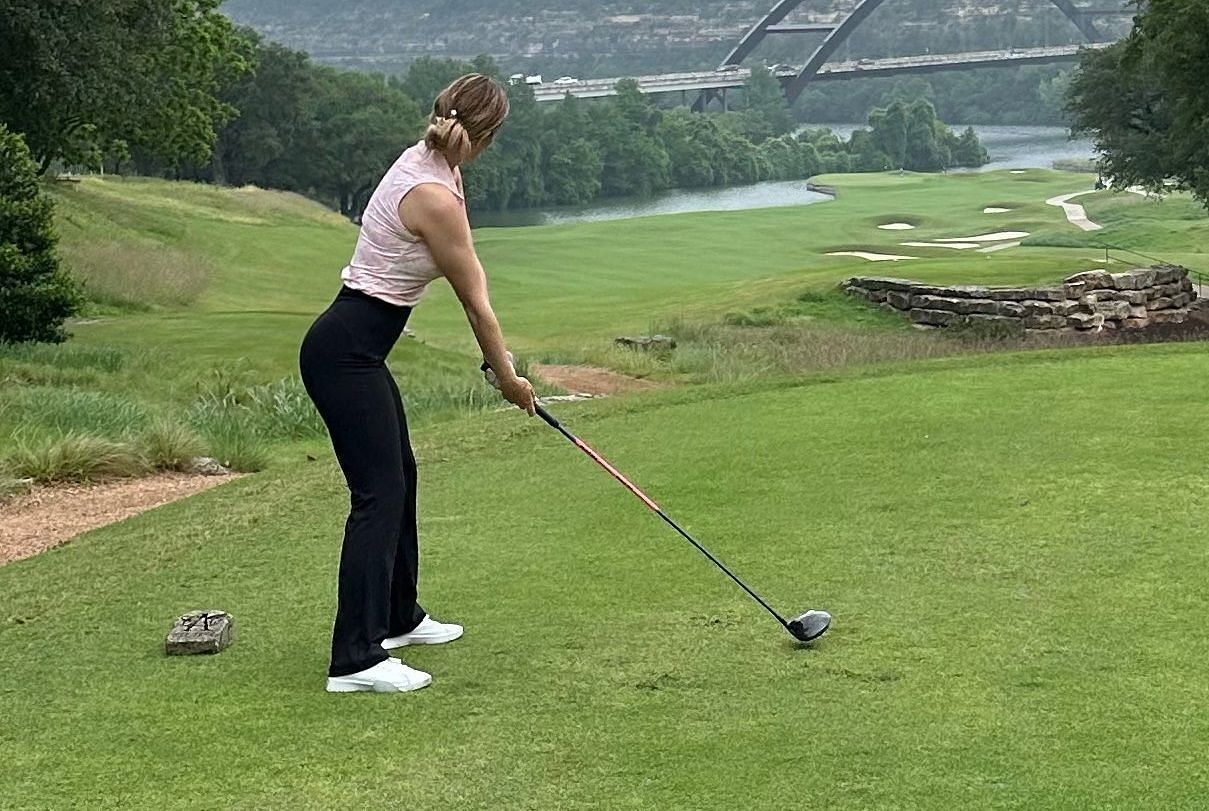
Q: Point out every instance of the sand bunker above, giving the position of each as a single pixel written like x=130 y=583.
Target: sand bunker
x=961 y=246
x=872 y=257
x=995 y=210
x=897 y=226
x=998 y=236
x=1018 y=171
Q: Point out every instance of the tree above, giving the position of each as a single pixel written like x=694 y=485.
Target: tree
x=572 y=174
x=624 y=129
x=967 y=149
x=889 y=128
x=361 y=127
x=509 y=174
x=275 y=100
x=866 y=155
x=829 y=151
x=36 y=295
x=926 y=150
x=428 y=76
x=910 y=136
x=1145 y=100
x=79 y=79
x=763 y=96
x=681 y=132
x=572 y=164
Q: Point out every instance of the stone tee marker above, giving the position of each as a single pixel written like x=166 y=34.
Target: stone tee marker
x=200 y=632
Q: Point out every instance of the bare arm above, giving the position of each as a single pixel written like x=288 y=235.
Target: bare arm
x=436 y=216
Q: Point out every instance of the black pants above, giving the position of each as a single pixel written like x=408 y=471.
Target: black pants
x=343 y=364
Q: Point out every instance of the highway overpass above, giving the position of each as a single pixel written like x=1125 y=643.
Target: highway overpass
x=720 y=80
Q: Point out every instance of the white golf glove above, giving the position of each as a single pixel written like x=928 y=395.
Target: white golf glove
x=489 y=373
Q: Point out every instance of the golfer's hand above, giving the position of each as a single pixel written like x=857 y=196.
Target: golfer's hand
x=519 y=392
x=490 y=376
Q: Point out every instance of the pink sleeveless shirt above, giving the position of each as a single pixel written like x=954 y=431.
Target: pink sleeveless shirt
x=390 y=262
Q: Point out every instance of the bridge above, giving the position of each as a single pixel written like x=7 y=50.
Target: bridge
x=818 y=66
x=720 y=80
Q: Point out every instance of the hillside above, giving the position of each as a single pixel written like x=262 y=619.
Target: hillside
x=275 y=258
x=590 y=38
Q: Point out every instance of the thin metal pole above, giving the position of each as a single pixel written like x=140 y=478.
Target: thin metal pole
x=649 y=502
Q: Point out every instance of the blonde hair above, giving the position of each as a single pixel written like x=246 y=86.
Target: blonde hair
x=464 y=115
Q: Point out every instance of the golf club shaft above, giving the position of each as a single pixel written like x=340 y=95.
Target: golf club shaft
x=633 y=488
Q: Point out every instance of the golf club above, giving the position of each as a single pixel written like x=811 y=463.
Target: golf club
x=805 y=627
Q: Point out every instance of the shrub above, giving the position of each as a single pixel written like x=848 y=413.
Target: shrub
x=279 y=410
x=36 y=295
x=169 y=445
x=234 y=441
x=74 y=457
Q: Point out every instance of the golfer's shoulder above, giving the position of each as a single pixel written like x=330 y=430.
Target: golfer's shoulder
x=436 y=198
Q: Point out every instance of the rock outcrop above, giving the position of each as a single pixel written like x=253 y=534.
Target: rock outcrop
x=1091 y=301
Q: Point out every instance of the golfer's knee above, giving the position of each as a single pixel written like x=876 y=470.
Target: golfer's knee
x=384 y=504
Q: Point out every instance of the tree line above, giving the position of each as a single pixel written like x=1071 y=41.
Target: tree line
x=1034 y=95
x=331 y=133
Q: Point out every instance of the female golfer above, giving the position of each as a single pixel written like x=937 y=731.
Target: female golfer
x=414 y=230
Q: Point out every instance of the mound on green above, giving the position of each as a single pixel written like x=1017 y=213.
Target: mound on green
x=1012 y=546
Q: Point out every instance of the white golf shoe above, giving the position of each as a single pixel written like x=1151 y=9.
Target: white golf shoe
x=390 y=676
x=428 y=632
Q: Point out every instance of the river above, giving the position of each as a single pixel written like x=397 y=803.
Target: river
x=1010 y=147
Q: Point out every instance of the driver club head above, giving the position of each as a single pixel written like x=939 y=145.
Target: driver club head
x=809 y=626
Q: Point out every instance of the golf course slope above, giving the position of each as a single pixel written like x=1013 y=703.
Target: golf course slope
x=274 y=258
x=1013 y=546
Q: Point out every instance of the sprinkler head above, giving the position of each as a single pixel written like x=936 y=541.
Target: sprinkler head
x=809 y=626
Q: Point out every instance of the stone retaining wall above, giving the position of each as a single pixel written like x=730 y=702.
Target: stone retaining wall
x=1090 y=301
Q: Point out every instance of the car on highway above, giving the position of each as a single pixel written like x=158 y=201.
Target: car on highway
x=566 y=80
x=533 y=80
x=728 y=69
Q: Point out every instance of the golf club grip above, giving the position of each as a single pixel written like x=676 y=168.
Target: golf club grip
x=549 y=418
x=541 y=412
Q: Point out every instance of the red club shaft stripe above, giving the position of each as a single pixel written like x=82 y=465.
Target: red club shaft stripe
x=616 y=474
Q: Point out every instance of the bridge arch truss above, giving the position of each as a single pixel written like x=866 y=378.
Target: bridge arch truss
x=838 y=33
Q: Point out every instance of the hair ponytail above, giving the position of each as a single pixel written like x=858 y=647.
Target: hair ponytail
x=448 y=136
x=466 y=115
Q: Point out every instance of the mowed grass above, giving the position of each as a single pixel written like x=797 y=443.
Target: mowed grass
x=563 y=289
x=1012 y=546
x=1011 y=543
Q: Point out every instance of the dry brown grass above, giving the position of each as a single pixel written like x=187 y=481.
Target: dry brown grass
x=138 y=274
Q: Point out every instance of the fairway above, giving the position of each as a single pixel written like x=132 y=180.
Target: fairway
x=563 y=290
x=1013 y=548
